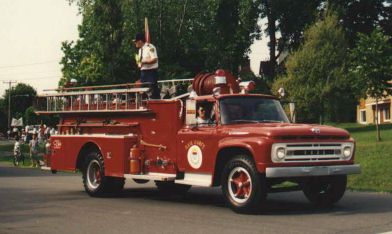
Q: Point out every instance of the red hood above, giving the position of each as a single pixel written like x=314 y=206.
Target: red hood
x=285 y=129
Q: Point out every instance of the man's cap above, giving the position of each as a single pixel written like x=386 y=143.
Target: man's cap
x=139 y=37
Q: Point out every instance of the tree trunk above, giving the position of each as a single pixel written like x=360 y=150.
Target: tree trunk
x=271 y=32
x=377 y=127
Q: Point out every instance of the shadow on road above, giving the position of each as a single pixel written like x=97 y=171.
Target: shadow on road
x=22 y=189
x=293 y=203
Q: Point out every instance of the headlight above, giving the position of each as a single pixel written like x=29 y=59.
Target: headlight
x=347 y=152
x=280 y=153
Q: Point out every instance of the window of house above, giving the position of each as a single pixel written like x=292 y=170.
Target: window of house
x=387 y=114
x=363 y=116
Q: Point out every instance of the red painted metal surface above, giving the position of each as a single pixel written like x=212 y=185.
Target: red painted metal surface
x=204 y=83
x=167 y=145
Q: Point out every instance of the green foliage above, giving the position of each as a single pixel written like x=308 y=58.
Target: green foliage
x=287 y=18
x=363 y=16
x=372 y=64
x=190 y=36
x=30 y=118
x=291 y=18
x=316 y=79
x=22 y=96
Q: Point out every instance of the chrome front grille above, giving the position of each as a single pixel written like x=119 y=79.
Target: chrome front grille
x=309 y=152
x=312 y=152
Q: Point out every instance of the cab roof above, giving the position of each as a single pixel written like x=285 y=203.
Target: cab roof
x=211 y=97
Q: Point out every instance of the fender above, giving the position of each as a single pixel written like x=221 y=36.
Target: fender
x=83 y=150
x=259 y=148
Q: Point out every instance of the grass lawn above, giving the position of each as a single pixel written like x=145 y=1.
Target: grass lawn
x=6 y=153
x=375 y=157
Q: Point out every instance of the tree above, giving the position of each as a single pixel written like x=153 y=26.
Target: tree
x=3 y=116
x=190 y=36
x=287 y=18
x=362 y=16
x=372 y=67
x=100 y=55
x=22 y=96
x=315 y=78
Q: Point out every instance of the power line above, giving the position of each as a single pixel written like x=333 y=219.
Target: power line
x=28 y=64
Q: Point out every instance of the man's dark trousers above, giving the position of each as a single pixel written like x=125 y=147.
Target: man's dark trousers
x=151 y=76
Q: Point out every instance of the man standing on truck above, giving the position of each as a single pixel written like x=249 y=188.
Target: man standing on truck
x=147 y=61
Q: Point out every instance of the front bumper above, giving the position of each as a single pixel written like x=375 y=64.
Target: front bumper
x=281 y=172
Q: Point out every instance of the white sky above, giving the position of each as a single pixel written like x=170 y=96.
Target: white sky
x=31 y=33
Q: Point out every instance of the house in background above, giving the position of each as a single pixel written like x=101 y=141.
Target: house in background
x=366 y=111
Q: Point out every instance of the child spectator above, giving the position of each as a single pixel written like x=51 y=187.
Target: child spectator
x=34 y=151
x=17 y=151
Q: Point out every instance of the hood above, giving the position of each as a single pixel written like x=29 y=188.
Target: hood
x=286 y=130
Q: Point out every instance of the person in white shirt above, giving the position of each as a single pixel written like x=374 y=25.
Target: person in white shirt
x=201 y=116
x=147 y=60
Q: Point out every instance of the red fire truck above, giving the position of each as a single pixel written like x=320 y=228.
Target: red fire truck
x=218 y=134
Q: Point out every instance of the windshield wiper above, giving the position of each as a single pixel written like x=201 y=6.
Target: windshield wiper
x=270 y=121
x=243 y=121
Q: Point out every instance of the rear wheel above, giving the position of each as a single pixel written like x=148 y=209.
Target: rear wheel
x=325 y=191
x=170 y=188
x=95 y=182
x=243 y=187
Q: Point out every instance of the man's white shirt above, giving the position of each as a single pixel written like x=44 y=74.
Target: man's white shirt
x=149 y=52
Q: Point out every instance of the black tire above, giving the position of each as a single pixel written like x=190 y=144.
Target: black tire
x=170 y=188
x=325 y=191
x=243 y=187
x=96 y=184
x=116 y=185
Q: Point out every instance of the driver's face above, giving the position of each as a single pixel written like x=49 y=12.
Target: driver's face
x=202 y=112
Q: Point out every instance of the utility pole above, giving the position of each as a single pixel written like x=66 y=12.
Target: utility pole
x=9 y=101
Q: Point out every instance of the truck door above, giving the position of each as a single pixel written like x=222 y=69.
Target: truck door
x=197 y=139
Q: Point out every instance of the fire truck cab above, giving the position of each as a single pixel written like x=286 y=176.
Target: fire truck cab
x=215 y=135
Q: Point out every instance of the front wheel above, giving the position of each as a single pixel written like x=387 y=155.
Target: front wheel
x=325 y=191
x=243 y=187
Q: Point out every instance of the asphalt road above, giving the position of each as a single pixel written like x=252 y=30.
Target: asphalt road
x=32 y=201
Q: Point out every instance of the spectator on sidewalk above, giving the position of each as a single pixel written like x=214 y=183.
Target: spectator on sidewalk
x=34 y=151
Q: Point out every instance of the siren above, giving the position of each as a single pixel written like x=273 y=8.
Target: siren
x=247 y=86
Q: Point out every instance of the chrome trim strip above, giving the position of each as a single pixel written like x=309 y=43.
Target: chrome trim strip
x=197 y=179
x=278 y=172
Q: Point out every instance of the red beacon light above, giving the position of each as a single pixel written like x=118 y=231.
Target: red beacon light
x=220 y=77
x=221 y=86
x=247 y=86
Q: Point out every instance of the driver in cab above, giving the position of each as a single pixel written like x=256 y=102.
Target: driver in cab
x=201 y=116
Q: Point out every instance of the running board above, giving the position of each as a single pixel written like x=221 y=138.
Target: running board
x=151 y=176
x=204 y=180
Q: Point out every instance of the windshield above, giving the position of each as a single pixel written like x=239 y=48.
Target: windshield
x=251 y=110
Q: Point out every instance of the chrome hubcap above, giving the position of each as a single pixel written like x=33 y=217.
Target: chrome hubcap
x=239 y=185
x=94 y=174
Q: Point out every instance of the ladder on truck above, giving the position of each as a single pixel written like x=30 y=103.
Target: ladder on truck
x=130 y=97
